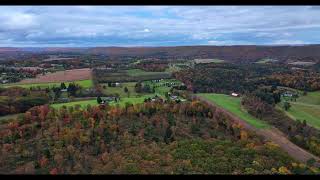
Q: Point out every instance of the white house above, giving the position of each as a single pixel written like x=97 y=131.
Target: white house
x=234 y=94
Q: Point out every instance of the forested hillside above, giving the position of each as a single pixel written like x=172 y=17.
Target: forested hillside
x=153 y=137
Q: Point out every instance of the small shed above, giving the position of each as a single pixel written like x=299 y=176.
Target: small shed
x=234 y=94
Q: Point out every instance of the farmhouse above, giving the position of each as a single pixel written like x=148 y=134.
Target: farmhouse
x=105 y=100
x=287 y=94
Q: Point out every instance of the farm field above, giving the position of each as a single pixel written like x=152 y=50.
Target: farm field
x=83 y=83
x=305 y=108
x=93 y=102
x=159 y=89
x=233 y=105
x=4 y=119
x=199 y=61
x=120 y=89
x=61 y=76
x=139 y=72
x=131 y=100
x=83 y=104
x=264 y=61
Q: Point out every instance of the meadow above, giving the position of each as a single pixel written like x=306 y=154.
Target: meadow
x=93 y=102
x=233 y=105
x=139 y=72
x=60 y=76
x=305 y=108
x=83 y=104
x=264 y=61
x=83 y=83
x=120 y=89
x=200 y=61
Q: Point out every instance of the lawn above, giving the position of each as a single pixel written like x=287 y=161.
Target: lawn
x=310 y=98
x=139 y=72
x=7 y=118
x=264 y=61
x=93 y=102
x=132 y=100
x=83 y=83
x=305 y=108
x=83 y=104
x=162 y=90
x=120 y=89
x=233 y=105
x=200 y=61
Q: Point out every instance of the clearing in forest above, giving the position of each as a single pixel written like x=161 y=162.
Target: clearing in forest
x=305 y=108
x=233 y=105
x=200 y=61
x=83 y=104
x=61 y=76
x=83 y=83
x=139 y=72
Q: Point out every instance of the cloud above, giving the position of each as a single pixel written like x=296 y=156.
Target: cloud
x=146 y=30
x=170 y=25
x=288 y=42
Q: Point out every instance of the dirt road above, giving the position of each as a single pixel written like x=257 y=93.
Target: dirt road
x=271 y=134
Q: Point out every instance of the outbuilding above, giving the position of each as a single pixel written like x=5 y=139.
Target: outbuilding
x=234 y=94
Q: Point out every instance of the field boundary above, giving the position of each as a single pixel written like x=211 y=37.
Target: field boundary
x=271 y=134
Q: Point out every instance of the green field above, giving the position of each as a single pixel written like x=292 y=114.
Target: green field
x=201 y=61
x=162 y=90
x=305 y=108
x=5 y=119
x=83 y=83
x=83 y=104
x=264 y=61
x=139 y=72
x=131 y=100
x=233 y=105
x=120 y=89
x=93 y=102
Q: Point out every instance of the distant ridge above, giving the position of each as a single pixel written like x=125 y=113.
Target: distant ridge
x=237 y=53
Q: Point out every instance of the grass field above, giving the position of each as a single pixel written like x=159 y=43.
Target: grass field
x=5 y=119
x=305 y=108
x=233 y=105
x=264 y=61
x=139 y=72
x=83 y=104
x=93 y=102
x=131 y=100
x=120 y=89
x=83 y=83
x=162 y=90
x=200 y=61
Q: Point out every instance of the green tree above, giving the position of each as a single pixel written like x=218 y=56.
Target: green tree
x=99 y=100
x=63 y=86
x=286 y=105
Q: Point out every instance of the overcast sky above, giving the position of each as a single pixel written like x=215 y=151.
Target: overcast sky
x=84 y=26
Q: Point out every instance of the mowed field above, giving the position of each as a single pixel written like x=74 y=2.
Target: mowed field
x=200 y=61
x=139 y=72
x=83 y=83
x=305 y=108
x=93 y=102
x=83 y=104
x=131 y=100
x=61 y=76
x=120 y=89
x=233 y=105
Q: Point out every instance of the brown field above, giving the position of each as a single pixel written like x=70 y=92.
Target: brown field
x=61 y=76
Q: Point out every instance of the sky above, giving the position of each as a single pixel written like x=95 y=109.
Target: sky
x=91 y=26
